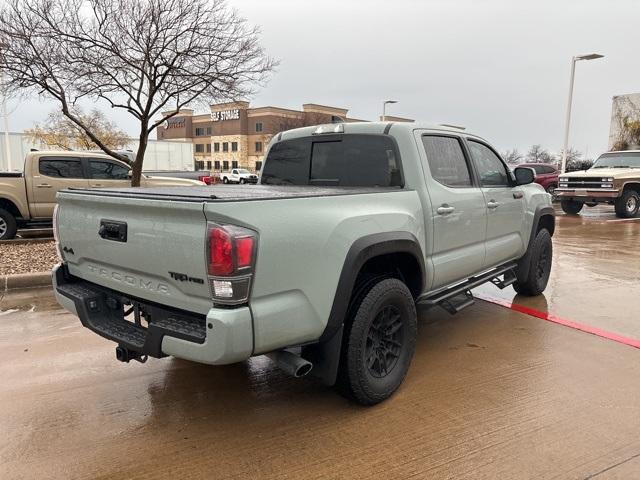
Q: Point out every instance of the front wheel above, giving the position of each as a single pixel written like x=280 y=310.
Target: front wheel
x=628 y=204
x=540 y=260
x=571 y=206
x=379 y=342
x=225 y=180
x=8 y=225
x=242 y=181
x=551 y=189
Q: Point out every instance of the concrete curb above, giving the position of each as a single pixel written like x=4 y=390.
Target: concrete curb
x=24 y=280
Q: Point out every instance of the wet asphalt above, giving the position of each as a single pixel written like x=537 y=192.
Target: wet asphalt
x=492 y=393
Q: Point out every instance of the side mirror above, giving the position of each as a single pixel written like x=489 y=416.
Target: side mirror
x=524 y=175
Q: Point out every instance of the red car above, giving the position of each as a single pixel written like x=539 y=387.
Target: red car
x=546 y=175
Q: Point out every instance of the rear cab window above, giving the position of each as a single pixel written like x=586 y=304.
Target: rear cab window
x=350 y=160
x=60 y=167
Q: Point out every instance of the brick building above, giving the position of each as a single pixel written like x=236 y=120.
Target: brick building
x=234 y=135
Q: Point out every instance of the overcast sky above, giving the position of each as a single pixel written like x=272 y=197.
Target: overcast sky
x=498 y=67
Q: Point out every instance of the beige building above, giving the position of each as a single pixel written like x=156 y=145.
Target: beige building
x=234 y=135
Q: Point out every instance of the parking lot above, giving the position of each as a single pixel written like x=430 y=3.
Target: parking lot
x=492 y=392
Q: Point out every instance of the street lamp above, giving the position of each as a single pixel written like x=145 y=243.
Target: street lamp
x=590 y=56
x=384 y=108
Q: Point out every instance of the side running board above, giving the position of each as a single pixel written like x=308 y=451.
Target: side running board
x=459 y=296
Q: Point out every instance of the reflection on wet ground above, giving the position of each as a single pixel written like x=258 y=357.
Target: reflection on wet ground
x=595 y=278
x=492 y=393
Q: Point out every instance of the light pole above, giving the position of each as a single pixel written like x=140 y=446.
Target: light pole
x=590 y=56
x=7 y=147
x=384 y=108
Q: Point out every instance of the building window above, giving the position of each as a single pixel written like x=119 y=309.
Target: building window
x=258 y=166
x=225 y=165
x=234 y=146
x=216 y=147
x=208 y=164
x=258 y=146
x=225 y=147
x=199 y=165
x=209 y=130
x=199 y=147
x=258 y=126
x=216 y=165
x=208 y=148
x=199 y=131
x=234 y=164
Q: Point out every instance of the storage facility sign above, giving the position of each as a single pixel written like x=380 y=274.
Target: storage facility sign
x=224 y=115
x=174 y=123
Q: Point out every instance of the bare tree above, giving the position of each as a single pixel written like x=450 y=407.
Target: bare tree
x=58 y=131
x=538 y=154
x=625 y=123
x=141 y=56
x=512 y=157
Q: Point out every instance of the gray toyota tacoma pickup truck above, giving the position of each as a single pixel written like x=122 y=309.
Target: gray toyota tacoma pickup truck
x=320 y=266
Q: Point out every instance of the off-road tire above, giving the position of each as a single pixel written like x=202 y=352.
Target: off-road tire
x=551 y=189
x=540 y=261
x=571 y=207
x=628 y=204
x=8 y=225
x=225 y=180
x=381 y=325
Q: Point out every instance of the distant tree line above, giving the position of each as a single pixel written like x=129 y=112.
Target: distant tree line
x=538 y=154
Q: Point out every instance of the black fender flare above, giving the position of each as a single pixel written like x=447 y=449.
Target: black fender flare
x=326 y=354
x=524 y=261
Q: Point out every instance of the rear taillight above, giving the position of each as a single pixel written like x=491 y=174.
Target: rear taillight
x=231 y=254
x=56 y=236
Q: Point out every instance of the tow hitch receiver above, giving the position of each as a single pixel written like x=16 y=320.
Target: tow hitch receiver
x=125 y=355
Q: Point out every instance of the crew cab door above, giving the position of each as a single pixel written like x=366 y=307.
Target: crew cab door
x=105 y=173
x=458 y=213
x=50 y=174
x=504 y=205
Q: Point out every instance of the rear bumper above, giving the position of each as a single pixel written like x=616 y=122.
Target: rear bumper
x=222 y=336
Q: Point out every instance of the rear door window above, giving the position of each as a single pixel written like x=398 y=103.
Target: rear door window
x=447 y=162
x=345 y=160
x=61 y=167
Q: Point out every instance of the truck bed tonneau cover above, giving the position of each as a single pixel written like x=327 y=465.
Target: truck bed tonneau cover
x=228 y=193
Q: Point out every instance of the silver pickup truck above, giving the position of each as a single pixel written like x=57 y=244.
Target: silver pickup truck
x=320 y=266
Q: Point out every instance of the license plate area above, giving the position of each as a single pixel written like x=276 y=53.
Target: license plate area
x=581 y=192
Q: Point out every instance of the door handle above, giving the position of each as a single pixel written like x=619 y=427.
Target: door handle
x=97 y=185
x=492 y=204
x=43 y=185
x=445 y=209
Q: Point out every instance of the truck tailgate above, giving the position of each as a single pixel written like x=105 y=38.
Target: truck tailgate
x=152 y=249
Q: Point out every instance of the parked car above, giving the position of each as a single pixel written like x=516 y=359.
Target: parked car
x=614 y=179
x=28 y=198
x=320 y=266
x=238 y=175
x=546 y=175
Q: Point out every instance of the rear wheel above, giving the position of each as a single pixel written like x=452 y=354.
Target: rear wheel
x=628 y=204
x=571 y=206
x=379 y=342
x=8 y=225
x=540 y=260
x=242 y=181
x=225 y=180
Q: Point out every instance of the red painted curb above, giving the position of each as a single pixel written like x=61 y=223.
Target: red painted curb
x=549 y=317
